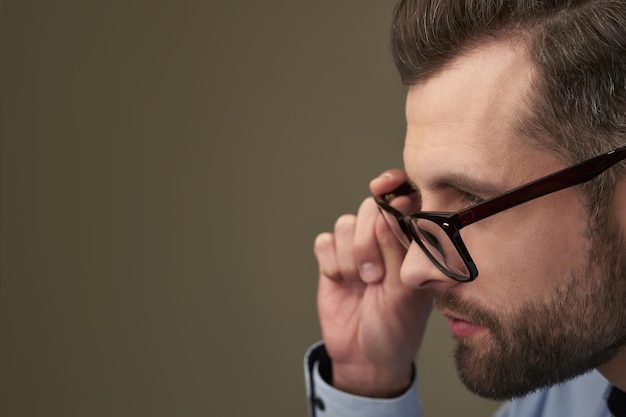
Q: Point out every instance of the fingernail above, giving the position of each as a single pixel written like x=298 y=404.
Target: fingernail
x=371 y=272
x=385 y=175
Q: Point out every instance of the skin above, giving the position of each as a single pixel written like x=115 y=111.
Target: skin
x=615 y=369
x=374 y=298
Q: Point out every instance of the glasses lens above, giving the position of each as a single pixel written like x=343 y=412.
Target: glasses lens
x=440 y=248
x=395 y=227
x=403 y=204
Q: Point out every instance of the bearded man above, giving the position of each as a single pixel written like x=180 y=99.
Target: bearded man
x=508 y=218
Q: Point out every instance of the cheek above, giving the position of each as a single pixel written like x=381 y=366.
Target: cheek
x=524 y=253
x=619 y=203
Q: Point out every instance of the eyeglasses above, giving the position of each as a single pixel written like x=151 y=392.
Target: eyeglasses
x=438 y=233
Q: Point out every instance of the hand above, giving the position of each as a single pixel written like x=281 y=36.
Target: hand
x=372 y=324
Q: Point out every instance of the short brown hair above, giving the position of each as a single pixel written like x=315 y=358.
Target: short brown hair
x=578 y=102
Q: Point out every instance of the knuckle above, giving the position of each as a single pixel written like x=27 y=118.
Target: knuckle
x=365 y=249
x=367 y=205
x=323 y=249
x=383 y=234
x=322 y=242
x=329 y=271
x=345 y=223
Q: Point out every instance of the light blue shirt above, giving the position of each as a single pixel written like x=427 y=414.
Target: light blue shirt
x=584 y=396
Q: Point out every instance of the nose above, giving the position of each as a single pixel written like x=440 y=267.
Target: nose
x=419 y=272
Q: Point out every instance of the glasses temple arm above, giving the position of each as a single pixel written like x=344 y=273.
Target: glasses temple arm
x=568 y=177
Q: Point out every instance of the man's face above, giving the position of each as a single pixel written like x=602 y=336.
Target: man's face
x=547 y=304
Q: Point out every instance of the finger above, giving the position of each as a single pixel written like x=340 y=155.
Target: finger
x=344 y=248
x=392 y=253
x=388 y=181
x=324 y=249
x=366 y=250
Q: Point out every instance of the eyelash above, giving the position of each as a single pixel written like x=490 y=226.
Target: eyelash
x=470 y=199
x=467 y=199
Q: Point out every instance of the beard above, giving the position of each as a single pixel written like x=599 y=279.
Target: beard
x=579 y=327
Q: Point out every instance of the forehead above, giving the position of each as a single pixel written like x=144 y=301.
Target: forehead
x=464 y=119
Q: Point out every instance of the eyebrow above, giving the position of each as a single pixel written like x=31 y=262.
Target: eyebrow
x=463 y=183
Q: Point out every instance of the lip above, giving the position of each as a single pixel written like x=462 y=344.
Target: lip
x=462 y=328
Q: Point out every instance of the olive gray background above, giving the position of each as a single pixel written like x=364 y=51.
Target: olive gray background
x=165 y=169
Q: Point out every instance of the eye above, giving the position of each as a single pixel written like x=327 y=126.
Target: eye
x=470 y=199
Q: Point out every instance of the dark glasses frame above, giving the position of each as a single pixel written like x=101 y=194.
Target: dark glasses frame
x=452 y=223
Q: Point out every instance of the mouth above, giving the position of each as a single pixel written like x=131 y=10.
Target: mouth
x=460 y=327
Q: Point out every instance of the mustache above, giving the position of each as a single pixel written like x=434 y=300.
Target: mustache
x=466 y=310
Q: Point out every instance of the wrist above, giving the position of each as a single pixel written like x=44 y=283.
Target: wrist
x=371 y=381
